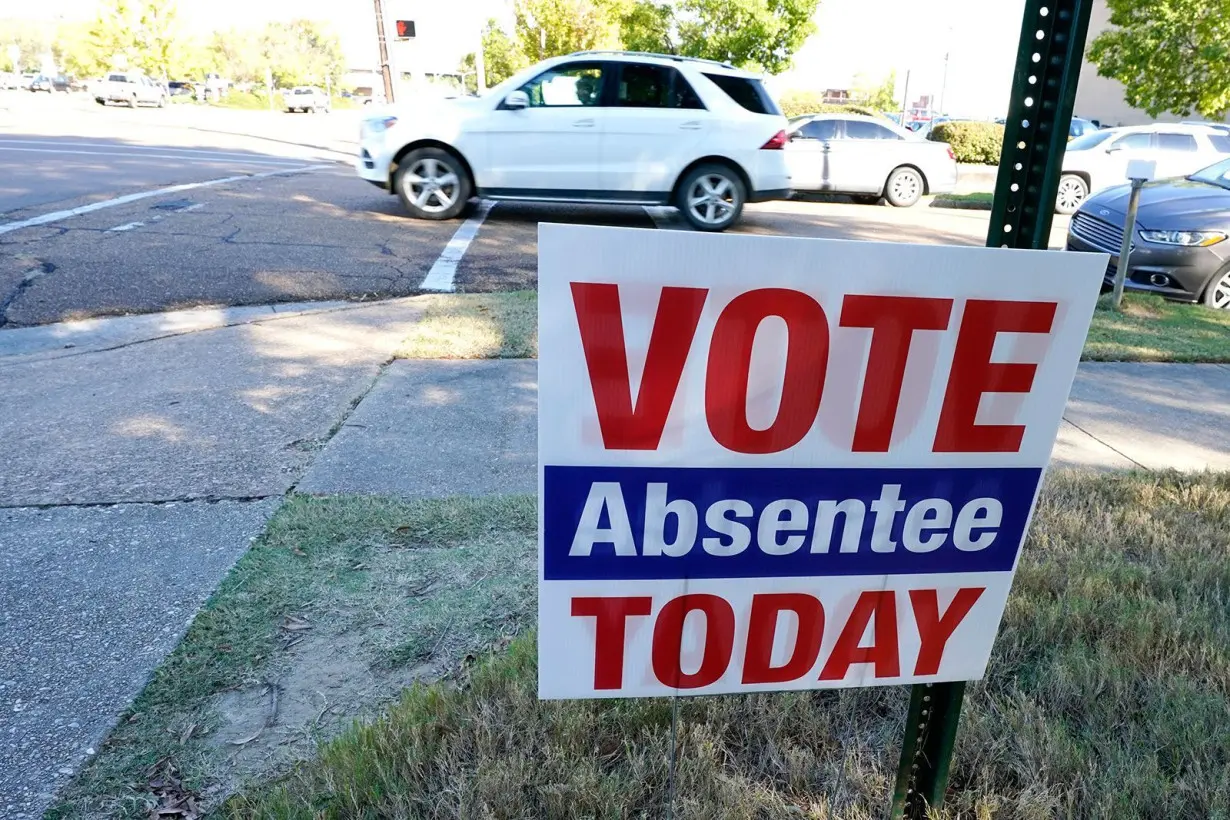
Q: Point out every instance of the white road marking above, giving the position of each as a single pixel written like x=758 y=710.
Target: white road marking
x=126 y=227
x=135 y=148
x=135 y=155
x=666 y=218
x=56 y=216
x=190 y=208
x=441 y=275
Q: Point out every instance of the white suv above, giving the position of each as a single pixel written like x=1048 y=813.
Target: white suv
x=595 y=127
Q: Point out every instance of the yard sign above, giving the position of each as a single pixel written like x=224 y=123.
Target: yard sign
x=774 y=463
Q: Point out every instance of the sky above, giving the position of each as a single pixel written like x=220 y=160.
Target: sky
x=871 y=37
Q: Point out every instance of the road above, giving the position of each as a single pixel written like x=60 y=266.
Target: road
x=266 y=209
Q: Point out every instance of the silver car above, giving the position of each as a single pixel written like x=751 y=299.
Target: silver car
x=867 y=158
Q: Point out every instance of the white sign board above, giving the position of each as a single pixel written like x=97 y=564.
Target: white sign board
x=782 y=463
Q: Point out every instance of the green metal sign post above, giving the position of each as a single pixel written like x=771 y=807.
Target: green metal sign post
x=1048 y=63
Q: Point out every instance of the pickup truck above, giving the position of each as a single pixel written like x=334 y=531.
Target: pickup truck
x=305 y=98
x=130 y=89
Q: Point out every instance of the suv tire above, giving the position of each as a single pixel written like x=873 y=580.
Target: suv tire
x=432 y=184
x=1072 y=192
x=711 y=197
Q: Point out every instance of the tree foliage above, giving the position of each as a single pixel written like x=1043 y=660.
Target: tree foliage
x=880 y=96
x=1170 y=55
x=548 y=28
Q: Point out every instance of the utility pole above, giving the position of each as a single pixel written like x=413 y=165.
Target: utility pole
x=905 y=99
x=480 y=65
x=944 y=85
x=385 y=71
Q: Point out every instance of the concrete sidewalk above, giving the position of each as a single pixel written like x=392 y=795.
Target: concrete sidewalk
x=141 y=461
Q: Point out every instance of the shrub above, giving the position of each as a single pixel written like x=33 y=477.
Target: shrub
x=797 y=103
x=977 y=142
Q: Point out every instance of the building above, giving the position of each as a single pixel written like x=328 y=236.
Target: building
x=1101 y=98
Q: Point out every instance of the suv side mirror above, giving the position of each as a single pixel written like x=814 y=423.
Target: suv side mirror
x=517 y=100
x=1112 y=149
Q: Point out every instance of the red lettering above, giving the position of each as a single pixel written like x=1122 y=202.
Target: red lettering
x=730 y=358
x=973 y=373
x=762 y=629
x=610 y=627
x=883 y=651
x=624 y=426
x=893 y=320
x=934 y=630
x=668 y=640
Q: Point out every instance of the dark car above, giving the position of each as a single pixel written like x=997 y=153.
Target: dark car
x=179 y=88
x=1180 y=248
x=44 y=83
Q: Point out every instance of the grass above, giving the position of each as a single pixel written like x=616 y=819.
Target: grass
x=395 y=586
x=1108 y=695
x=978 y=200
x=1150 y=329
x=504 y=326
x=475 y=326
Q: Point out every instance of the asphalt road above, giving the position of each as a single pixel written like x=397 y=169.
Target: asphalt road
x=290 y=221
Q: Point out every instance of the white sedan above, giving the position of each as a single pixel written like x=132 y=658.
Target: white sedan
x=867 y=158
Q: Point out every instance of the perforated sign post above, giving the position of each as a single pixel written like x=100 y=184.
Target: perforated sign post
x=771 y=463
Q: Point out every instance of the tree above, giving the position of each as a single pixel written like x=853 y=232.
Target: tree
x=301 y=52
x=1170 y=55
x=548 y=28
x=757 y=34
x=881 y=97
x=135 y=34
x=501 y=56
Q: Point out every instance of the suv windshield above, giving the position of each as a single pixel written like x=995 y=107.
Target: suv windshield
x=748 y=92
x=1218 y=175
x=1089 y=140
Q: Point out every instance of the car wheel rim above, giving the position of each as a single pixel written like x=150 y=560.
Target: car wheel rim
x=906 y=187
x=1071 y=194
x=1221 y=293
x=712 y=199
x=432 y=185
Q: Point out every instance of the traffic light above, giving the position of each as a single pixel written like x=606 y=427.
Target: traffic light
x=405 y=29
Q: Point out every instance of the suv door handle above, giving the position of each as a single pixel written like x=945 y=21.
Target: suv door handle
x=691 y=125
x=588 y=123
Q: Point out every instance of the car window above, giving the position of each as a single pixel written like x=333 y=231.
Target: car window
x=117 y=78
x=1176 y=142
x=571 y=84
x=820 y=130
x=654 y=86
x=1220 y=142
x=863 y=130
x=1089 y=140
x=1134 y=142
x=748 y=92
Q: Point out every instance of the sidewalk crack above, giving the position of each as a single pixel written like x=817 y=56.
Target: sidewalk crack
x=1105 y=444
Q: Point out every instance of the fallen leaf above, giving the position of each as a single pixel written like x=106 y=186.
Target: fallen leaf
x=295 y=623
x=187 y=734
x=298 y=551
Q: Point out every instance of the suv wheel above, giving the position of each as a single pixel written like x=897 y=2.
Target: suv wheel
x=904 y=188
x=432 y=184
x=711 y=197
x=1072 y=192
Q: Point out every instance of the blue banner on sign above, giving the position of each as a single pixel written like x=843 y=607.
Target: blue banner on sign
x=645 y=523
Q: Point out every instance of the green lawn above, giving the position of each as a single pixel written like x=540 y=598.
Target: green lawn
x=1150 y=329
x=1108 y=695
x=505 y=325
x=978 y=201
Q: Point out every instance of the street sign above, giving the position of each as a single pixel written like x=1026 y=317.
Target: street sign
x=781 y=463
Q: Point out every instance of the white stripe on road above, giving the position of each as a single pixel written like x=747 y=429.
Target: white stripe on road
x=56 y=216
x=441 y=275
x=127 y=227
x=190 y=208
x=133 y=155
x=113 y=146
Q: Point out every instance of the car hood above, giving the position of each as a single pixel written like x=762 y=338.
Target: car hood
x=1178 y=204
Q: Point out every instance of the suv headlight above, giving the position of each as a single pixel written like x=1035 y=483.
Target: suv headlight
x=376 y=125
x=1189 y=239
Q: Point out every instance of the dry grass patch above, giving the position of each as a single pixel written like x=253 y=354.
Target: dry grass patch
x=1108 y=695
x=475 y=326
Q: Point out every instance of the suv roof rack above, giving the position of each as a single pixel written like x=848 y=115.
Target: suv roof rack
x=679 y=58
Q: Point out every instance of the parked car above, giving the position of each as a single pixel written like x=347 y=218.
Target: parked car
x=1080 y=127
x=305 y=98
x=1179 y=246
x=1099 y=159
x=9 y=81
x=131 y=89
x=179 y=88
x=596 y=127
x=867 y=158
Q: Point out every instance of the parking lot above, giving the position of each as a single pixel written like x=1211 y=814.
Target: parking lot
x=219 y=207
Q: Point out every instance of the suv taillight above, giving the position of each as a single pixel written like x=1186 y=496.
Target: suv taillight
x=951 y=155
x=776 y=143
